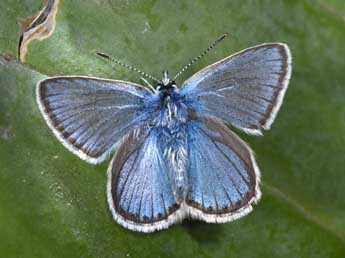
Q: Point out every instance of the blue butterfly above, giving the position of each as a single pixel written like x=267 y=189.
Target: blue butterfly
x=175 y=157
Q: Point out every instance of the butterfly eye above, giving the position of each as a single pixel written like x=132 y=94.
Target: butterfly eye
x=173 y=84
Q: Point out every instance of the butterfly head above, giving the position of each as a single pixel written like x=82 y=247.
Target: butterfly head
x=166 y=83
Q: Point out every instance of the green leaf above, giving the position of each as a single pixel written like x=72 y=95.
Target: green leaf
x=53 y=204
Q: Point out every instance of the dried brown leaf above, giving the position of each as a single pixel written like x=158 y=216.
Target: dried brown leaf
x=40 y=26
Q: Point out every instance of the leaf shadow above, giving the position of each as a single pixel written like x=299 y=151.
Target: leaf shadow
x=204 y=233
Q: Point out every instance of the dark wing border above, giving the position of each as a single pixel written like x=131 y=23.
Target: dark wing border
x=283 y=84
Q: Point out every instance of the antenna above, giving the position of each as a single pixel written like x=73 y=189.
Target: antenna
x=132 y=68
x=201 y=55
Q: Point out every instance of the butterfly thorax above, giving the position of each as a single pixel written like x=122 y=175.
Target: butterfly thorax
x=170 y=109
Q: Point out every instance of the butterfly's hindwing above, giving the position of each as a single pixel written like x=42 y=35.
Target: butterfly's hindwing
x=140 y=192
x=223 y=176
x=245 y=89
x=89 y=115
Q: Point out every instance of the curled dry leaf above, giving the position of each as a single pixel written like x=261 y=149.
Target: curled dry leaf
x=40 y=26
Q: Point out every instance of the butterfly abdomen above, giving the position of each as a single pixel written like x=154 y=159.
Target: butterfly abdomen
x=176 y=155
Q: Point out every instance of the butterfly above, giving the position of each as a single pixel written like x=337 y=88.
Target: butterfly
x=175 y=156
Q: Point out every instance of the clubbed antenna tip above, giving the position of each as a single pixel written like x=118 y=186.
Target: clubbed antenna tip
x=222 y=37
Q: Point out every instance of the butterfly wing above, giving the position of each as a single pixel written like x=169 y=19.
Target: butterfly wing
x=89 y=115
x=140 y=193
x=223 y=176
x=245 y=89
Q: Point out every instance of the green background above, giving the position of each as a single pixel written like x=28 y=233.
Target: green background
x=52 y=204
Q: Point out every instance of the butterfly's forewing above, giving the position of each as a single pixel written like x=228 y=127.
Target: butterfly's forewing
x=89 y=115
x=140 y=193
x=223 y=176
x=245 y=89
